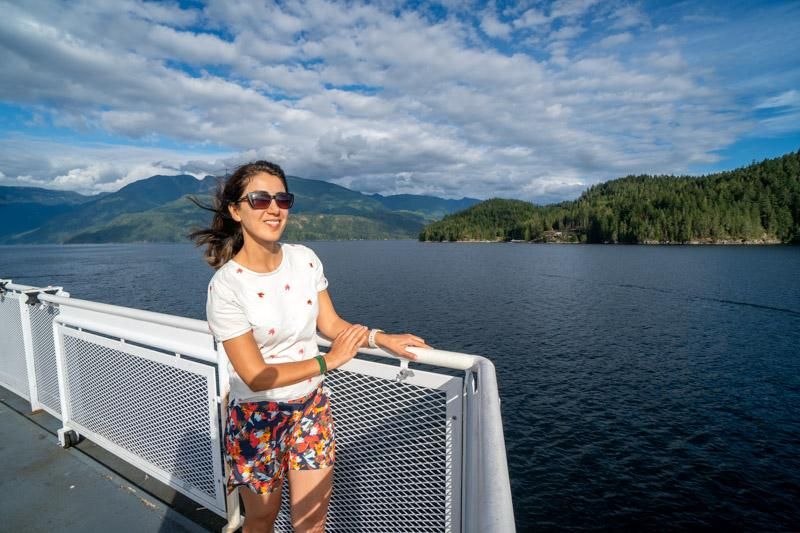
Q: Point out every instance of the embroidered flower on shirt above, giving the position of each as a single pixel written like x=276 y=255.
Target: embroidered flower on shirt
x=260 y=294
x=311 y=265
x=302 y=351
x=273 y=356
x=309 y=302
x=271 y=331
x=286 y=287
x=239 y=270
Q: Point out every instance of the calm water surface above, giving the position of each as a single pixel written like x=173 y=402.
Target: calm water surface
x=642 y=387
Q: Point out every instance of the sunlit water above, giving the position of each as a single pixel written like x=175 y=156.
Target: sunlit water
x=642 y=387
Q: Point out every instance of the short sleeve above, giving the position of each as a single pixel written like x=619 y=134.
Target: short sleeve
x=226 y=318
x=320 y=281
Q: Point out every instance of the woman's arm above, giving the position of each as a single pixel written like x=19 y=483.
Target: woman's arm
x=330 y=324
x=248 y=362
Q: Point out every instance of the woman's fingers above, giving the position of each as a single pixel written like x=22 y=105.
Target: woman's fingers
x=407 y=355
x=350 y=331
x=413 y=340
x=403 y=342
x=421 y=345
x=346 y=344
x=358 y=339
x=352 y=337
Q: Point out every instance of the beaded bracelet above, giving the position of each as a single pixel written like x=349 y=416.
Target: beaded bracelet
x=371 y=338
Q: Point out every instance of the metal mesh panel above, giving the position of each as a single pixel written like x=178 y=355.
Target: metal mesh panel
x=153 y=410
x=44 y=356
x=394 y=457
x=13 y=368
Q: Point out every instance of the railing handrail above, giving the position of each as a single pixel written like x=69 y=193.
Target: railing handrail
x=433 y=357
x=190 y=324
x=15 y=286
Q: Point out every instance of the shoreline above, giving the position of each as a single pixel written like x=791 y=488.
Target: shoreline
x=722 y=242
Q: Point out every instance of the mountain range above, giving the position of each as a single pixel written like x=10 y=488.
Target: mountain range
x=157 y=209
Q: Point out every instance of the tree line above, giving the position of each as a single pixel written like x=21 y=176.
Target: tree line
x=757 y=203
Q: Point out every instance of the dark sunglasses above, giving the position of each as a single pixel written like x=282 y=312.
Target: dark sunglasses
x=262 y=199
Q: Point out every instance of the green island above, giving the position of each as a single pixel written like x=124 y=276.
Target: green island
x=757 y=204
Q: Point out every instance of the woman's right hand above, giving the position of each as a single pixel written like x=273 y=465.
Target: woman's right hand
x=346 y=345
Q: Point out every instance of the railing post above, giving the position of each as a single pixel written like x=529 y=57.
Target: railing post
x=232 y=506
x=63 y=389
x=469 y=496
x=488 y=489
x=27 y=340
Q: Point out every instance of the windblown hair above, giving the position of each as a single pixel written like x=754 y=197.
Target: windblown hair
x=224 y=238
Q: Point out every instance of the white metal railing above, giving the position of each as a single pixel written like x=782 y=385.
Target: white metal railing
x=417 y=450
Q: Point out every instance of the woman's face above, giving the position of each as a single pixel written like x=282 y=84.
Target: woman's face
x=262 y=225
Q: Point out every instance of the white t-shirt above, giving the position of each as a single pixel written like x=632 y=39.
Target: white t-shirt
x=281 y=309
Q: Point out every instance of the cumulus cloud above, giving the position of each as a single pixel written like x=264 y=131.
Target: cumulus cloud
x=628 y=16
x=373 y=96
x=571 y=8
x=493 y=27
x=90 y=168
x=615 y=40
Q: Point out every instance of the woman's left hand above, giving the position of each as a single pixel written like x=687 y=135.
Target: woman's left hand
x=398 y=342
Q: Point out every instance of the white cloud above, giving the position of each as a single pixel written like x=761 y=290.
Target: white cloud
x=493 y=27
x=789 y=98
x=193 y=48
x=370 y=95
x=566 y=32
x=628 y=16
x=97 y=167
x=781 y=124
x=672 y=61
x=615 y=40
x=531 y=18
x=571 y=8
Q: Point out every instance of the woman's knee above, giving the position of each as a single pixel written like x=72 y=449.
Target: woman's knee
x=260 y=520
x=311 y=523
x=260 y=511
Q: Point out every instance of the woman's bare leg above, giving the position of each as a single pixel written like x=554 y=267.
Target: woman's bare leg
x=310 y=492
x=260 y=510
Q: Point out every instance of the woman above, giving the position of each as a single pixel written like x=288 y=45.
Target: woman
x=265 y=304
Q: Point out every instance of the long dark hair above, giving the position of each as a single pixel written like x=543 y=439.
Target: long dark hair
x=224 y=238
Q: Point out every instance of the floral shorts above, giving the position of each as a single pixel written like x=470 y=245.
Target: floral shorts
x=264 y=439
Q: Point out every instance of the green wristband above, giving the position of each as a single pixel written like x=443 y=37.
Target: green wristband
x=323 y=366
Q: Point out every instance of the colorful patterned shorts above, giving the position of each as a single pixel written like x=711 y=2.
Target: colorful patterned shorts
x=264 y=439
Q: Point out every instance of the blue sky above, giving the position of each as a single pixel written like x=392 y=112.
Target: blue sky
x=533 y=100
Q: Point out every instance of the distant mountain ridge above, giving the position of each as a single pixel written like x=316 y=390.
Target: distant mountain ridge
x=156 y=209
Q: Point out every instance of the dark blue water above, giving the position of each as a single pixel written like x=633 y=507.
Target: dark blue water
x=642 y=387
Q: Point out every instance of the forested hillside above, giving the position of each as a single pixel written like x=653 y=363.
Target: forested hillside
x=758 y=203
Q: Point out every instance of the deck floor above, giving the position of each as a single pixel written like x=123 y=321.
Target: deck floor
x=47 y=488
